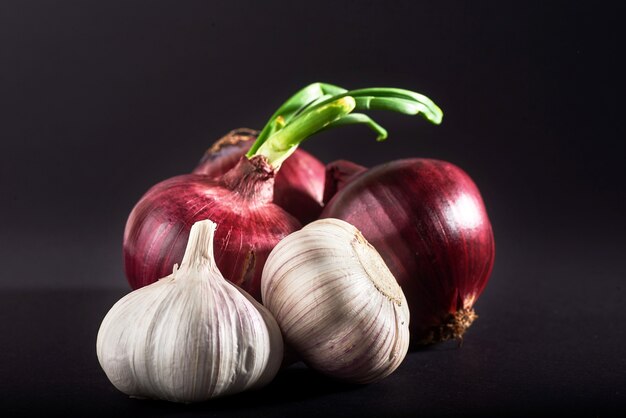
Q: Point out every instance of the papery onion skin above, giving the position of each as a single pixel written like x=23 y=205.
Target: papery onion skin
x=225 y=153
x=240 y=202
x=298 y=186
x=428 y=221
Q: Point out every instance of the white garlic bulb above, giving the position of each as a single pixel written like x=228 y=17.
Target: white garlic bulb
x=336 y=302
x=190 y=336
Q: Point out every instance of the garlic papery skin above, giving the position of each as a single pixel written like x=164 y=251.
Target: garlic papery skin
x=190 y=336
x=336 y=302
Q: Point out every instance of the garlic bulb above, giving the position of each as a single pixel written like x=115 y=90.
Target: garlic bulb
x=336 y=302
x=190 y=336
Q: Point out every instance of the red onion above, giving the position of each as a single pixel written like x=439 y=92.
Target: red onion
x=298 y=187
x=428 y=221
x=225 y=153
x=241 y=201
x=250 y=225
x=338 y=174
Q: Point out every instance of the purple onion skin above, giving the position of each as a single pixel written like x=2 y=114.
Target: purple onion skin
x=338 y=174
x=299 y=184
x=225 y=153
x=428 y=221
x=240 y=202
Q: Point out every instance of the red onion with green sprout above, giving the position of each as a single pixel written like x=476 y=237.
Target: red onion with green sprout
x=241 y=201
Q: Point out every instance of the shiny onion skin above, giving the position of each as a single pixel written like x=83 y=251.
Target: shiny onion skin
x=298 y=187
x=240 y=202
x=428 y=221
x=338 y=174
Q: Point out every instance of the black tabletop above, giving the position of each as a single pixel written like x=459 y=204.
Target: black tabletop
x=537 y=347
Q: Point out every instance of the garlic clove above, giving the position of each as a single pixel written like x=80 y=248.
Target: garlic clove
x=336 y=302
x=190 y=336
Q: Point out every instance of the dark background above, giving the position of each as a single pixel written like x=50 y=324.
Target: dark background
x=100 y=100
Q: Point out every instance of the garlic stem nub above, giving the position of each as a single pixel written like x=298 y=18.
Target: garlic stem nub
x=199 y=249
x=190 y=336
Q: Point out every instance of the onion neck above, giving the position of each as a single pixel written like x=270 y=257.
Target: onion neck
x=233 y=138
x=251 y=179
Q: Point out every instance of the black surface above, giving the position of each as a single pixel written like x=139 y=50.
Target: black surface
x=99 y=100
x=524 y=356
